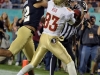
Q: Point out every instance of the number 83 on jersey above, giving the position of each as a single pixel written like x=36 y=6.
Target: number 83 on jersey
x=54 y=24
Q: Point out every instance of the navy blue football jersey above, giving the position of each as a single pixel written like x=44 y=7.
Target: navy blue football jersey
x=32 y=15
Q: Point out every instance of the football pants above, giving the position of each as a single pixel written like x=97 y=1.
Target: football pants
x=23 y=41
x=52 y=44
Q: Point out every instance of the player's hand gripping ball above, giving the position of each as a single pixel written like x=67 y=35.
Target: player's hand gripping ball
x=77 y=13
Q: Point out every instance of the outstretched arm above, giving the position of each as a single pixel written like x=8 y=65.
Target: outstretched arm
x=42 y=3
x=80 y=15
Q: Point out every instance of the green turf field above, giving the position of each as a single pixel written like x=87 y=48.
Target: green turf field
x=12 y=70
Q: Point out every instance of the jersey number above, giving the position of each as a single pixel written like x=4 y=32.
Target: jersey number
x=54 y=25
x=26 y=14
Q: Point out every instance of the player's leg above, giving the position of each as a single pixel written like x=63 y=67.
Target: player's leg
x=22 y=37
x=29 y=51
x=37 y=57
x=40 y=52
x=60 y=52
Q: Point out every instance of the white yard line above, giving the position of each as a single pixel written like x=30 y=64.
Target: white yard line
x=6 y=72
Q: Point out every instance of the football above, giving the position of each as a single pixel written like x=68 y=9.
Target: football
x=77 y=13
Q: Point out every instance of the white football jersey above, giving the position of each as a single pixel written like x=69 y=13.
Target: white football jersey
x=56 y=18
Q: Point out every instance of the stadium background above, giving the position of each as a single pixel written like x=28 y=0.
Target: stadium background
x=18 y=13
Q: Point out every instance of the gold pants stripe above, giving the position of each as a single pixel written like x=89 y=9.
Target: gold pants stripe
x=57 y=49
x=23 y=41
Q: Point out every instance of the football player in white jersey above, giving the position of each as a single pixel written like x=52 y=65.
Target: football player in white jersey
x=57 y=16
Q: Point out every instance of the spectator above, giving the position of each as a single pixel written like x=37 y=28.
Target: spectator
x=1 y=31
x=16 y=3
x=98 y=7
x=98 y=3
x=7 y=4
x=86 y=16
x=1 y=2
x=4 y=41
x=22 y=3
x=4 y=38
x=5 y=19
x=90 y=43
x=94 y=3
x=14 y=28
x=90 y=8
x=8 y=30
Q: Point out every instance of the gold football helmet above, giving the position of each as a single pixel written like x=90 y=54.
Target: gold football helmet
x=61 y=2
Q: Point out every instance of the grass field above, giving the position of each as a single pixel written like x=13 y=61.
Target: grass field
x=15 y=69
x=12 y=70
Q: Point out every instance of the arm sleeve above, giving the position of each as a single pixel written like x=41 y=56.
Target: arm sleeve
x=72 y=19
x=19 y=24
x=32 y=1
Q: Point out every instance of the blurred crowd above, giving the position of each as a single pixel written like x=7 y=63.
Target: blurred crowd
x=93 y=5
x=11 y=4
x=10 y=30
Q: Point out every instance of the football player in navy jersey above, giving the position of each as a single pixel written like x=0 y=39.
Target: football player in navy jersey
x=33 y=11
